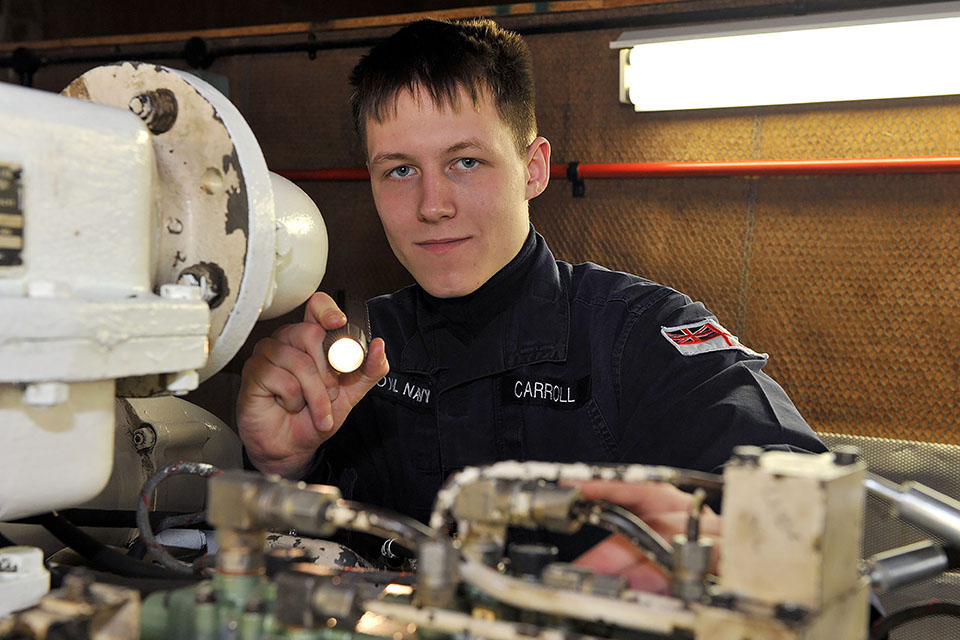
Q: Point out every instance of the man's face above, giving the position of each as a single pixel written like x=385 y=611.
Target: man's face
x=451 y=189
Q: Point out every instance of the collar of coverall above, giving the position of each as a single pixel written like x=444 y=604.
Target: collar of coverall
x=522 y=297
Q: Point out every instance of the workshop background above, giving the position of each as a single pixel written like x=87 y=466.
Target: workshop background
x=849 y=282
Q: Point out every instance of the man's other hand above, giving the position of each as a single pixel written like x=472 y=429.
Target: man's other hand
x=665 y=508
x=291 y=400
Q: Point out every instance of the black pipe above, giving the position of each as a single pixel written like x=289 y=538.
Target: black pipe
x=115 y=518
x=145 y=586
x=198 y=53
x=97 y=553
x=888 y=623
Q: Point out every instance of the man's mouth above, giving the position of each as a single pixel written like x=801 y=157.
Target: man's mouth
x=441 y=245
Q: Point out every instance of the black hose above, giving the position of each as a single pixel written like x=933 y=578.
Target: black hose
x=97 y=553
x=145 y=586
x=143 y=515
x=126 y=518
x=888 y=623
x=616 y=519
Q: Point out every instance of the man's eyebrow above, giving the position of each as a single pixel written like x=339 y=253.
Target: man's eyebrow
x=397 y=156
x=469 y=143
x=390 y=157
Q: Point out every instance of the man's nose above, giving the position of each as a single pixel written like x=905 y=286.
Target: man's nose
x=436 y=201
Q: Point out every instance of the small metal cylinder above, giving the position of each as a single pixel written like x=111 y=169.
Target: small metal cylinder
x=436 y=574
x=691 y=562
x=346 y=348
x=905 y=565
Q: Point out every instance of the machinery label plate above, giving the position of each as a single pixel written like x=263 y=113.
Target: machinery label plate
x=11 y=217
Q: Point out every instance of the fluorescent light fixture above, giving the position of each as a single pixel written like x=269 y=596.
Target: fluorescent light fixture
x=895 y=52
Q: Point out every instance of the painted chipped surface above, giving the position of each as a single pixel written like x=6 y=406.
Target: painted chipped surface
x=206 y=205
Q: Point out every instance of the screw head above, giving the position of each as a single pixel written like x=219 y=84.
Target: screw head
x=144 y=438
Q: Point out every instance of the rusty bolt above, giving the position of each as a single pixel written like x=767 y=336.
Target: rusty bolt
x=157 y=109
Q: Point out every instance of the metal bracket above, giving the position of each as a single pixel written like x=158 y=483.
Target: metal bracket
x=573 y=175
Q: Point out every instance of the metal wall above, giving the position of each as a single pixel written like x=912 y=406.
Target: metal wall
x=850 y=283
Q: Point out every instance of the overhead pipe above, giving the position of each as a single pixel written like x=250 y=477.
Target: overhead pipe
x=199 y=52
x=813 y=167
x=577 y=172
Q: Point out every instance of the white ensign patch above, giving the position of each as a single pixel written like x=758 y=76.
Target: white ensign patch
x=703 y=337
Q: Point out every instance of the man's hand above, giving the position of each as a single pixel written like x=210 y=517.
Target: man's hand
x=665 y=508
x=291 y=400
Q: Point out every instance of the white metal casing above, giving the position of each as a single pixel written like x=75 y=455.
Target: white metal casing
x=79 y=311
x=792 y=525
x=23 y=578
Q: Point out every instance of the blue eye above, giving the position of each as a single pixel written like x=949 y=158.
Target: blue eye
x=402 y=171
x=468 y=163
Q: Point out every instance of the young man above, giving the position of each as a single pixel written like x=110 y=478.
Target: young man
x=499 y=351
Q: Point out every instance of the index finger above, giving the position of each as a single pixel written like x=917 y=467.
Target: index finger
x=322 y=310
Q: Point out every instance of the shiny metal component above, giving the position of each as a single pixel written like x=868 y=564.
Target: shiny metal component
x=346 y=348
x=437 y=574
x=144 y=438
x=920 y=505
x=691 y=556
x=908 y=564
x=521 y=503
x=691 y=562
x=240 y=553
x=297 y=506
x=341 y=601
x=846 y=454
x=311 y=601
x=231 y=499
x=561 y=575
x=746 y=455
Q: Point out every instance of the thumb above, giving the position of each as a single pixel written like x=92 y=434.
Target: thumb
x=354 y=386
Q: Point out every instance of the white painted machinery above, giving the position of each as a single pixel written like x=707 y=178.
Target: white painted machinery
x=141 y=236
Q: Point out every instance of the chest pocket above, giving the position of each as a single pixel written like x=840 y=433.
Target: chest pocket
x=554 y=419
x=406 y=415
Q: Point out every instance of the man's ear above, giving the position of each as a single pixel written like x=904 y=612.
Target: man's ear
x=538 y=167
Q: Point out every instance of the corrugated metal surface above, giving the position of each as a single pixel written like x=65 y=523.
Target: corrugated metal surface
x=850 y=283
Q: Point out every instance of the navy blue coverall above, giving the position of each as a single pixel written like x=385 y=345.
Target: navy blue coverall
x=556 y=362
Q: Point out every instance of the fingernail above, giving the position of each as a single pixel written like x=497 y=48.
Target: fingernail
x=327 y=424
x=333 y=392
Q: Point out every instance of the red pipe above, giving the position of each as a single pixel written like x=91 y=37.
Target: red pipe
x=829 y=166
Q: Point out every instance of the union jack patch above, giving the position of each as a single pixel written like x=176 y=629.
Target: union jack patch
x=703 y=337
